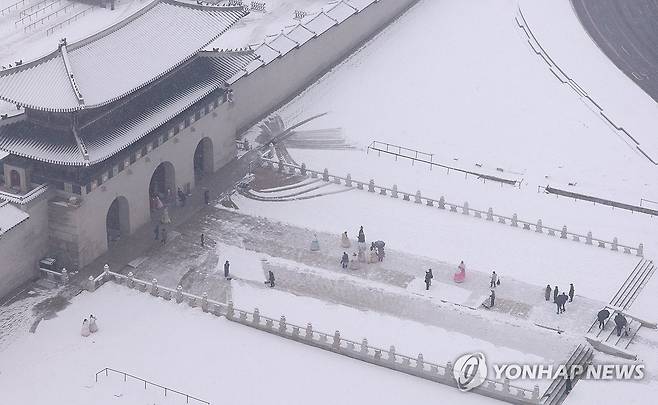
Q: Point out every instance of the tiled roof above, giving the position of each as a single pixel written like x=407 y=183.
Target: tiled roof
x=10 y=217
x=117 y=61
x=126 y=124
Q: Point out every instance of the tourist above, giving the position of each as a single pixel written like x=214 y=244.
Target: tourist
x=602 y=316
x=547 y=292
x=85 y=328
x=345 y=241
x=203 y=240
x=428 y=279
x=206 y=197
x=555 y=293
x=181 y=196
x=93 y=327
x=226 y=270
x=164 y=236
x=345 y=260
x=362 y=238
x=270 y=278
x=557 y=304
x=571 y=292
x=315 y=244
x=620 y=323
x=494 y=280
x=156 y=232
x=460 y=276
x=492 y=298
x=379 y=245
x=562 y=299
x=567 y=385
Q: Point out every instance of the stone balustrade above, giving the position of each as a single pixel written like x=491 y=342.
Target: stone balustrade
x=464 y=208
x=333 y=342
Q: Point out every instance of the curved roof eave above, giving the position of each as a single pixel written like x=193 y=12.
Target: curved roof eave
x=90 y=39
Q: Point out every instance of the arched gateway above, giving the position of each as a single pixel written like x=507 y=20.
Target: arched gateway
x=117 y=221
x=203 y=158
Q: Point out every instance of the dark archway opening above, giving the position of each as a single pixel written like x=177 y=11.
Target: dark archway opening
x=203 y=158
x=14 y=179
x=117 y=221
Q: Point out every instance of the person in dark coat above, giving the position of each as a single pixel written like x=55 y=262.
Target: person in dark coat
x=428 y=279
x=181 y=197
x=345 y=260
x=492 y=298
x=555 y=294
x=362 y=236
x=203 y=240
x=156 y=232
x=547 y=293
x=620 y=323
x=206 y=197
x=602 y=316
x=557 y=304
x=562 y=300
x=571 y=292
x=270 y=278
x=226 y=269
x=567 y=385
x=163 y=236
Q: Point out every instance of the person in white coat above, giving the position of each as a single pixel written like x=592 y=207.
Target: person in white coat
x=93 y=327
x=345 y=241
x=85 y=328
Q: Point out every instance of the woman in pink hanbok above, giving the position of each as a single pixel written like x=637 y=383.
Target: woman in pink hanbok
x=460 y=276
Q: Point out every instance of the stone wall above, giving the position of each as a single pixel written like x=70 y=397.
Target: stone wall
x=22 y=247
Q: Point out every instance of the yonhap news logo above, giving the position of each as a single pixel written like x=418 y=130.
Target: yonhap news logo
x=470 y=371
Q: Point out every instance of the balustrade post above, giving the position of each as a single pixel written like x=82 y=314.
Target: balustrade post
x=179 y=294
x=131 y=280
x=615 y=244
x=371 y=186
x=282 y=324
x=394 y=191
x=348 y=180
x=256 y=316
x=442 y=203
x=490 y=214
x=391 y=353
x=515 y=220
x=563 y=232
x=336 y=343
x=465 y=209
x=417 y=197
x=154 y=287
x=325 y=175
x=91 y=284
x=420 y=362
x=540 y=226
x=65 y=276
x=309 y=331
x=364 y=346
x=302 y=169
x=204 y=302
x=640 y=250
x=588 y=238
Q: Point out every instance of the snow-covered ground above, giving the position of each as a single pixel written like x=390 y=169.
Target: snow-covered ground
x=439 y=82
x=193 y=352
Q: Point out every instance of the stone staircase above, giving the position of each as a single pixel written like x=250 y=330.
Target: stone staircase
x=557 y=391
x=606 y=339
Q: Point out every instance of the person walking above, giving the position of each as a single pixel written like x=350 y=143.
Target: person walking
x=345 y=241
x=555 y=294
x=602 y=316
x=270 y=278
x=494 y=279
x=620 y=323
x=557 y=304
x=571 y=292
x=428 y=279
x=362 y=235
x=203 y=240
x=163 y=238
x=492 y=298
x=345 y=260
x=547 y=292
x=227 y=265
x=562 y=300
x=93 y=327
x=567 y=385
x=85 y=328
x=156 y=232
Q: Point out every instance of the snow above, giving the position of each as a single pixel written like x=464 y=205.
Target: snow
x=10 y=216
x=485 y=246
x=480 y=98
x=191 y=351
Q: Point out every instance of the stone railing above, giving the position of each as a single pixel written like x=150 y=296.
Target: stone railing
x=464 y=208
x=333 y=342
x=56 y=276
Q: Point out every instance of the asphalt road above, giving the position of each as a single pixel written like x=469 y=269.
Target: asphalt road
x=627 y=32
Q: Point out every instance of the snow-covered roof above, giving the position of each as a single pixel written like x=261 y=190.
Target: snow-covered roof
x=10 y=216
x=127 y=124
x=119 y=60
